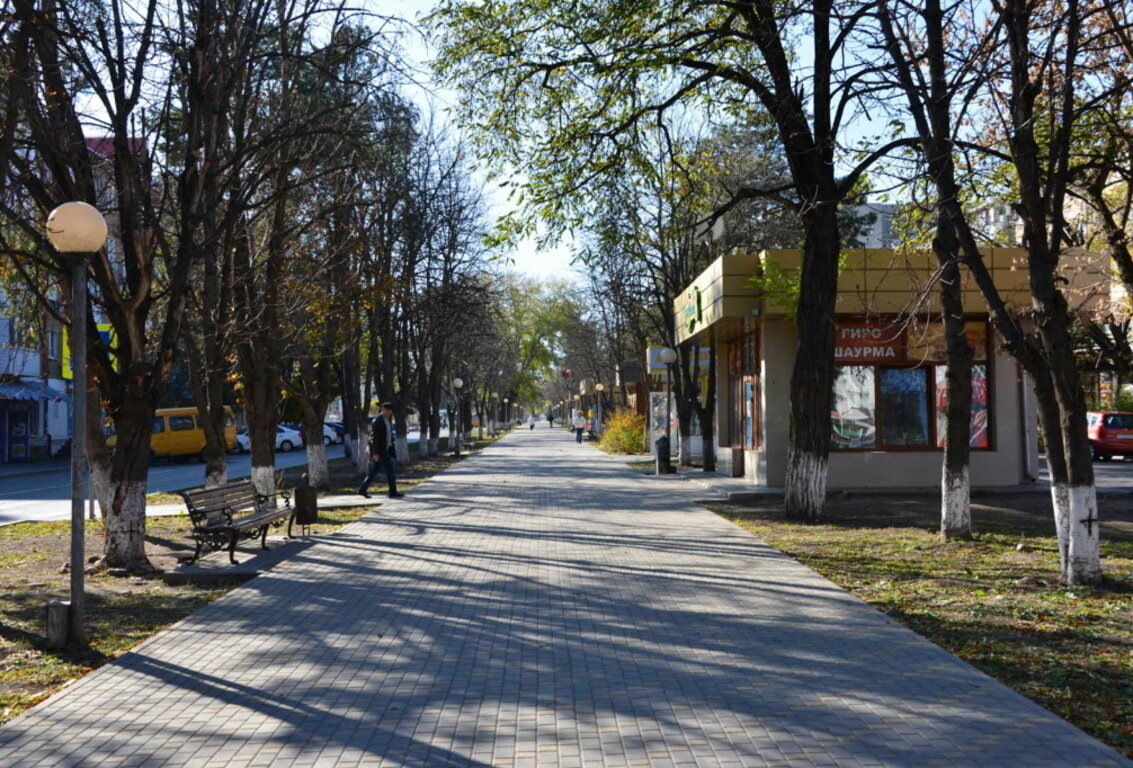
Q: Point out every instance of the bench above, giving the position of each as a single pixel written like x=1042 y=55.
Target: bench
x=228 y=513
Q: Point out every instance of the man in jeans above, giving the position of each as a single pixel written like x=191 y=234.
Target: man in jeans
x=382 y=452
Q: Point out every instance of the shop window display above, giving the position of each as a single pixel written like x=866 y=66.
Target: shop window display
x=889 y=390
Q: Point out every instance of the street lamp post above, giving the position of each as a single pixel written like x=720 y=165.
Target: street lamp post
x=668 y=356
x=455 y=434
x=600 y=389
x=77 y=230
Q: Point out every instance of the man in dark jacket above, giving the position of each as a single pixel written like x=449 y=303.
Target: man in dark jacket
x=382 y=452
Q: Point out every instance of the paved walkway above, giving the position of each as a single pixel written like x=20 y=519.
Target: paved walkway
x=541 y=605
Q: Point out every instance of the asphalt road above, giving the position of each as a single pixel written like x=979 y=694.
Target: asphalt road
x=46 y=495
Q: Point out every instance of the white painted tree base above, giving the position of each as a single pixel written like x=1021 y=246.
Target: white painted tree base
x=1084 y=554
x=125 y=532
x=318 y=476
x=955 y=504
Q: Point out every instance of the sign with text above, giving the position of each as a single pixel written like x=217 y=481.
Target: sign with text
x=869 y=343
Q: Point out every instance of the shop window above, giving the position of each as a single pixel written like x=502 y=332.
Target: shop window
x=853 y=415
x=980 y=437
x=903 y=407
x=743 y=369
x=889 y=392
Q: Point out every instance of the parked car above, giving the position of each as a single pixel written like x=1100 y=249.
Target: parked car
x=286 y=439
x=1111 y=434
x=339 y=431
x=243 y=442
x=177 y=433
x=330 y=436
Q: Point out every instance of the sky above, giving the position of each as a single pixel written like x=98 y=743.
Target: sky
x=527 y=259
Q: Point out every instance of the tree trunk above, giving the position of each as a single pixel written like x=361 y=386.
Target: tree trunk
x=955 y=487
x=812 y=378
x=318 y=475
x=125 y=519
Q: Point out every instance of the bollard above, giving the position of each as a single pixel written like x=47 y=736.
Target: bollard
x=58 y=623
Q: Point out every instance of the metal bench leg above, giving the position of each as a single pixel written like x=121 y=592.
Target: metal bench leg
x=197 y=554
x=290 y=521
x=264 y=537
x=232 y=548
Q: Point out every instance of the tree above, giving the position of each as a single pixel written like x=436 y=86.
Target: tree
x=110 y=54
x=560 y=90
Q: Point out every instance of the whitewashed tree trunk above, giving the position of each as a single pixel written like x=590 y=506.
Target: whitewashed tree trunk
x=318 y=475
x=263 y=479
x=1060 y=502
x=401 y=447
x=216 y=476
x=434 y=446
x=362 y=450
x=955 y=504
x=125 y=532
x=1084 y=554
x=805 y=483
x=685 y=459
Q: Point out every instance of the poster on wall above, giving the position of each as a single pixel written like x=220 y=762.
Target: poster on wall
x=927 y=343
x=980 y=437
x=853 y=416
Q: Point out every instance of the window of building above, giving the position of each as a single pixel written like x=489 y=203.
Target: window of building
x=980 y=437
x=54 y=344
x=854 y=408
x=903 y=407
x=743 y=367
x=889 y=391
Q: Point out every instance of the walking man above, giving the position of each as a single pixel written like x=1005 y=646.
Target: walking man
x=382 y=452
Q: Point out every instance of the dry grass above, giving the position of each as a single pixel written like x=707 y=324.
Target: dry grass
x=995 y=602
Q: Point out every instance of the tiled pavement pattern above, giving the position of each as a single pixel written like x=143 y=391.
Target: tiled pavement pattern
x=541 y=605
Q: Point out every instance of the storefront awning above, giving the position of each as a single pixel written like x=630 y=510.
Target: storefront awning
x=29 y=390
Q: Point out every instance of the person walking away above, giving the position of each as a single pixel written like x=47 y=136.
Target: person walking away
x=531 y=421
x=550 y=420
x=382 y=453
x=579 y=424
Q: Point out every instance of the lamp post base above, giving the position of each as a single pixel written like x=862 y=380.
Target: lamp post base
x=58 y=623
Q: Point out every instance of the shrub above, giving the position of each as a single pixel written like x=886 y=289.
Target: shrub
x=624 y=433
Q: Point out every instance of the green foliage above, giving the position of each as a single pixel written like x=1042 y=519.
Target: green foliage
x=624 y=433
x=779 y=286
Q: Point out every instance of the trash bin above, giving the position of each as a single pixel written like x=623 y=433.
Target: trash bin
x=661 y=445
x=306 y=505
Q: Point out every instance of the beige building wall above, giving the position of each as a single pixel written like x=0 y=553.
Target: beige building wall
x=872 y=283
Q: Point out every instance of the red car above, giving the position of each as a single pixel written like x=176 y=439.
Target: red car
x=1111 y=434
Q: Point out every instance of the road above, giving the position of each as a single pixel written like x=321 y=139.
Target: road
x=46 y=495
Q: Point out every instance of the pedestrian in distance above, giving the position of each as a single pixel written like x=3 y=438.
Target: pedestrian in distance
x=531 y=421
x=382 y=453
x=579 y=424
x=551 y=420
